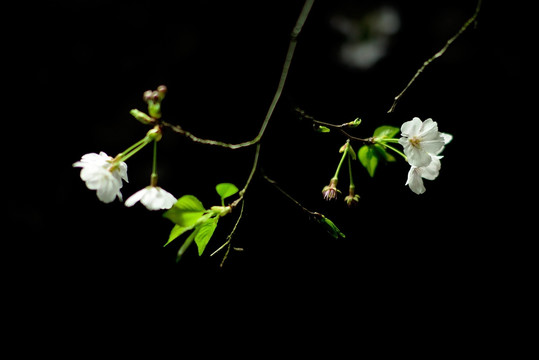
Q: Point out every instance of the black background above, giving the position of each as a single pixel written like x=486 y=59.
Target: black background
x=81 y=66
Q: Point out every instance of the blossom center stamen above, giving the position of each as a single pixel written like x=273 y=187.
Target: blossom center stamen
x=415 y=142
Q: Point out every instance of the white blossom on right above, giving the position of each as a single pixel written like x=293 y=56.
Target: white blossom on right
x=420 y=140
x=429 y=172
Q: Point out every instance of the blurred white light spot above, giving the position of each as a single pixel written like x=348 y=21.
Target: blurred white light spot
x=366 y=37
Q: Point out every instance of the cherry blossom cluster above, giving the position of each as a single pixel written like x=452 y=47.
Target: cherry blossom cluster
x=422 y=143
x=104 y=174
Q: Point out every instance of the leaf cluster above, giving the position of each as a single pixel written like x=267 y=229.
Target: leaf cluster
x=188 y=214
x=369 y=155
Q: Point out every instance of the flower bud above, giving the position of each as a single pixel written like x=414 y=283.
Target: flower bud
x=354 y=123
x=161 y=91
x=155 y=133
x=352 y=199
x=147 y=95
x=142 y=117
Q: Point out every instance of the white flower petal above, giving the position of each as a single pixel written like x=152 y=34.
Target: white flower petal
x=95 y=173
x=108 y=189
x=153 y=198
x=411 y=128
x=167 y=199
x=159 y=199
x=133 y=199
x=447 y=137
x=433 y=146
x=428 y=130
x=431 y=171
x=417 y=157
x=123 y=171
x=415 y=182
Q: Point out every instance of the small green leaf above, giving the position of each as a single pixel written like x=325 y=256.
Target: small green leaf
x=322 y=129
x=331 y=228
x=354 y=123
x=204 y=234
x=368 y=157
x=386 y=131
x=226 y=189
x=186 y=211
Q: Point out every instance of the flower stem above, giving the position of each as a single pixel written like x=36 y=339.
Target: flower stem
x=132 y=150
x=390 y=140
x=350 y=172
x=154 y=165
x=395 y=150
x=345 y=153
x=126 y=152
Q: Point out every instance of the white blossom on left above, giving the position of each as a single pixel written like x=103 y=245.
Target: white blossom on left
x=100 y=173
x=153 y=197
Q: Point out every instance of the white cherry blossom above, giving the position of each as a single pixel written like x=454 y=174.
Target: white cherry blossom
x=100 y=174
x=429 y=172
x=153 y=197
x=420 y=140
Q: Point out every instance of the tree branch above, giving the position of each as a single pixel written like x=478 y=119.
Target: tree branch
x=286 y=66
x=437 y=55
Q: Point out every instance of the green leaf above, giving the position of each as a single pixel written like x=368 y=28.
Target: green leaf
x=354 y=123
x=200 y=233
x=226 y=189
x=331 y=228
x=322 y=129
x=386 y=131
x=383 y=154
x=204 y=234
x=368 y=157
x=186 y=245
x=186 y=211
x=176 y=231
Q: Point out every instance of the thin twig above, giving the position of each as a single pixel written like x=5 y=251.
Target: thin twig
x=229 y=238
x=291 y=47
x=286 y=66
x=274 y=183
x=437 y=55
x=339 y=127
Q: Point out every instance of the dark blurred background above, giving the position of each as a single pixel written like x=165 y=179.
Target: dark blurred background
x=82 y=65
